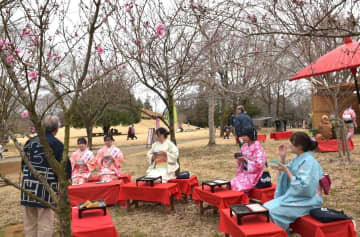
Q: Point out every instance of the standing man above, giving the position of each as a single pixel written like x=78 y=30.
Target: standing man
x=38 y=219
x=242 y=120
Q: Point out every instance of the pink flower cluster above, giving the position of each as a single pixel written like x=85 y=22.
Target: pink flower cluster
x=24 y=114
x=100 y=50
x=160 y=30
x=33 y=75
x=128 y=6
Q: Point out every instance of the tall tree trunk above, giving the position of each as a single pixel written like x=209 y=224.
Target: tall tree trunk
x=106 y=129
x=64 y=210
x=171 y=119
x=223 y=117
x=89 y=129
x=212 y=138
x=278 y=102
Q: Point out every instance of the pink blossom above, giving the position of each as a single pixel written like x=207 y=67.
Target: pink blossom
x=49 y=55
x=33 y=75
x=123 y=66
x=105 y=19
x=33 y=130
x=2 y=42
x=160 y=30
x=25 y=32
x=137 y=42
x=10 y=58
x=17 y=51
x=122 y=27
x=128 y=9
x=126 y=4
x=100 y=50
x=141 y=51
x=24 y=114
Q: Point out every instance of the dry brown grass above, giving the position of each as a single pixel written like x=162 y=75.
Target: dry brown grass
x=206 y=163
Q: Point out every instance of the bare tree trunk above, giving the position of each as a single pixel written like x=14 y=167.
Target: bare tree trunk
x=171 y=119
x=278 y=102
x=64 y=210
x=223 y=117
x=89 y=129
x=211 y=118
x=338 y=127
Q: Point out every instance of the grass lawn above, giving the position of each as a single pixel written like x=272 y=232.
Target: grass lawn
x=206 y=163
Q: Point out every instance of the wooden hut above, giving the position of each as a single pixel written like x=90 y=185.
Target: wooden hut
x=323 y=101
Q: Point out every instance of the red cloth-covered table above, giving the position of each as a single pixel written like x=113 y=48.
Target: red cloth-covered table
x=125 y=177
x=221 y=198
x=186 y=185
x=263 y=194
x=161 y=192
x=92 y=224
x=331 y=145
x=281 y=135
x=261 y=137
x=254 y=225
x=308 y=226
x=93 y=191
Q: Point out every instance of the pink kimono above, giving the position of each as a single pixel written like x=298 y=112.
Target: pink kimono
x=87 y=156
x=351 y=125
x=247 y=179
x=108 y=171
x=114 y=152
x=80 y=173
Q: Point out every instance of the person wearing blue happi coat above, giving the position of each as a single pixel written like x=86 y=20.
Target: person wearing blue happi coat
x=298 y=189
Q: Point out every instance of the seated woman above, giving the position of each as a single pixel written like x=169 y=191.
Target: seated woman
x=80 y=173
x=325 y=131
x=163 y=157
x=251 y=165
x=109 y=151
x=298 y=189
x=108 y=170
x=83 y=153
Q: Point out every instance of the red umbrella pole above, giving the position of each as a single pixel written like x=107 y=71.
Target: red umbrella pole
x=357 y=88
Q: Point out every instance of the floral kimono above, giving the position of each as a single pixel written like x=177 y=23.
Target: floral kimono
x=164 y=166
x=108 y=170
x=87 y=156
x=112 y=151
x=80 y=173
x=247 y=178
x=296 y=197
x=351 y=122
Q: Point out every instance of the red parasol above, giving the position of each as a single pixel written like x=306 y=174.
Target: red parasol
x=344 y=57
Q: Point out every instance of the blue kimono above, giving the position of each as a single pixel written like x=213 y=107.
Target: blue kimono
x=296 y=197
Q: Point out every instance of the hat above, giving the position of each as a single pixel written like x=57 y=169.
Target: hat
x=250 y=132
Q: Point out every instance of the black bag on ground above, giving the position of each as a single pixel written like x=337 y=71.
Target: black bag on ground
x=183 y=175
x=326 y=215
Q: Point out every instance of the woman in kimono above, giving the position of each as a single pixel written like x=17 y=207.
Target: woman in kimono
x=83 y=153
x=349 y=117
x=163 y=157
x=251 y=165
x=80 y=173
x=108 y=170
x=109 y=150
x=298 y=189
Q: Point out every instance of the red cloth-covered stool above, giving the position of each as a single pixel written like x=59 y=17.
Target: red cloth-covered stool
x=308 y=226
x=332 y=146
x=262 y=195
x=186 y=185
x=220 y=199
x=261 y=137
x=253 y=225
x=281 y=135
x=92 y=224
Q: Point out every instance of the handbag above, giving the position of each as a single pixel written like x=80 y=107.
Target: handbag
x=264 y=181
x=326 y=215
x=325 y=183
x=183 y=175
